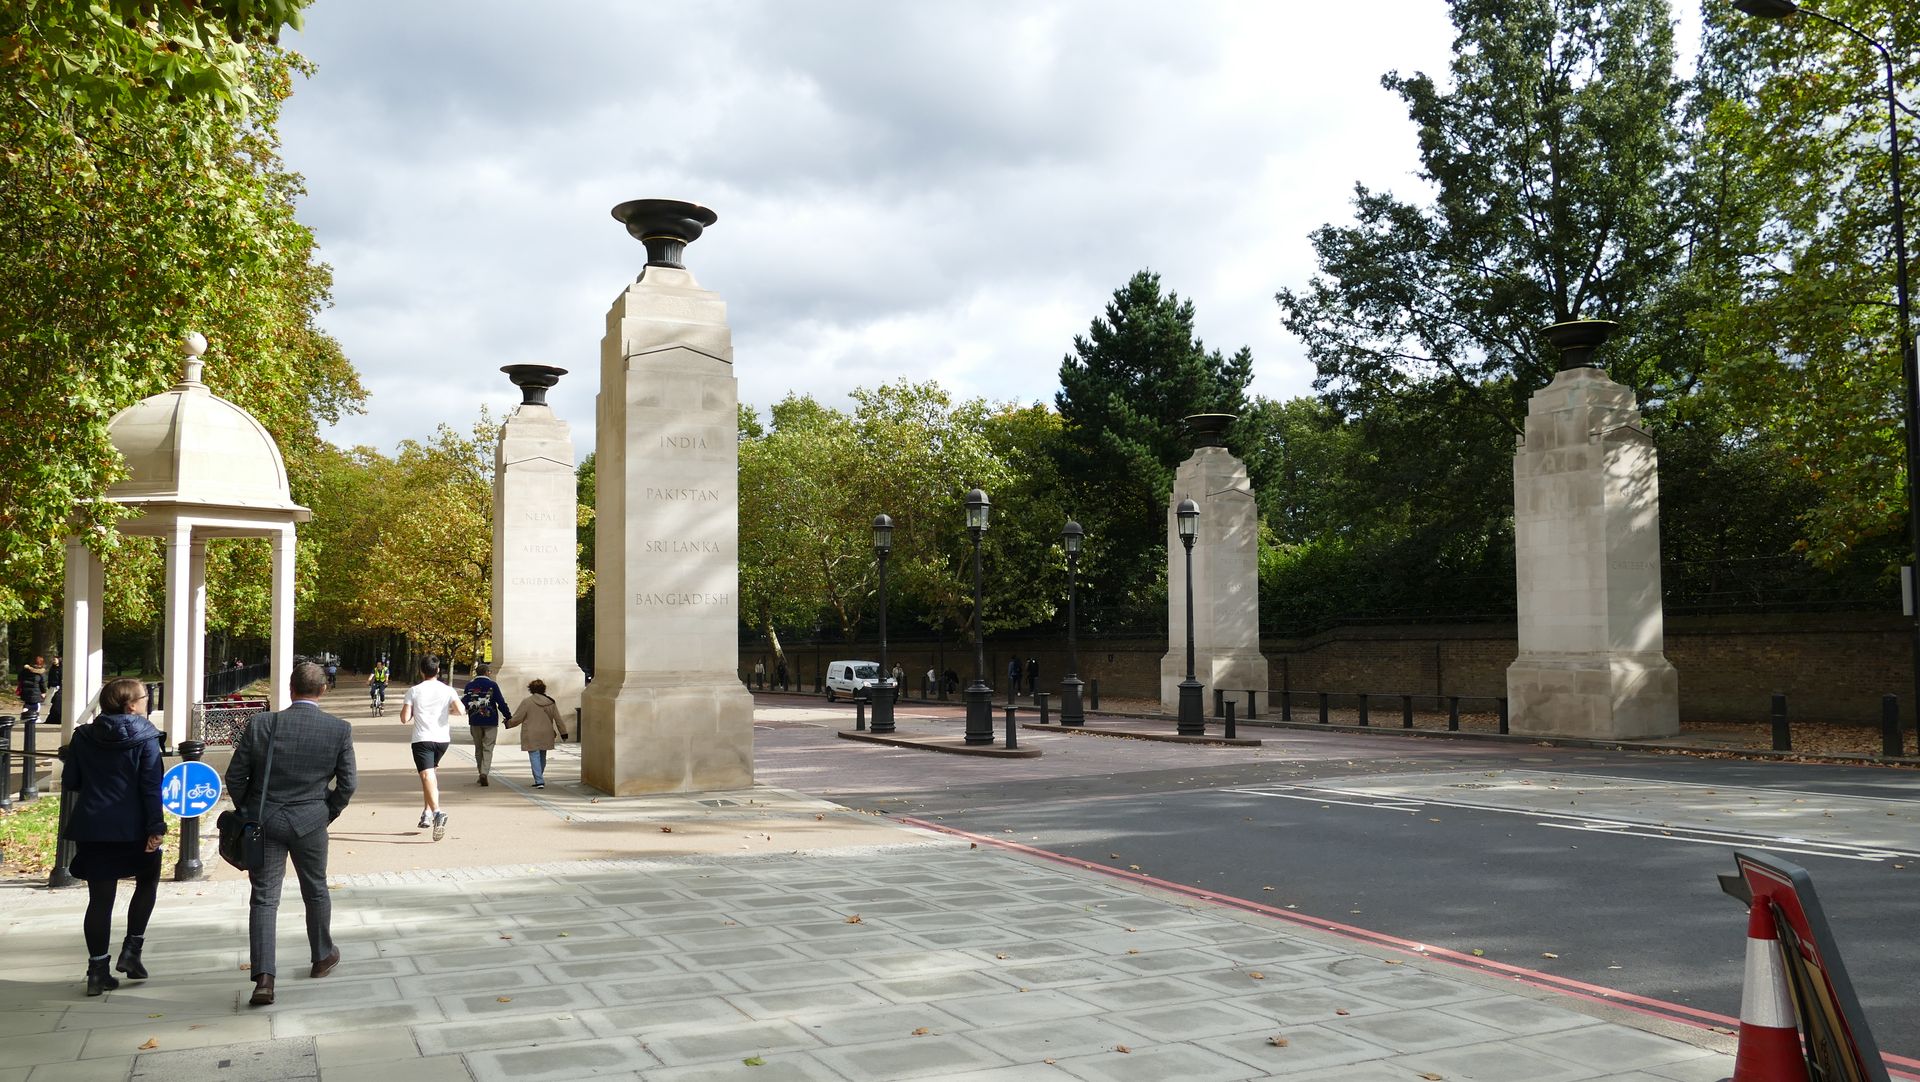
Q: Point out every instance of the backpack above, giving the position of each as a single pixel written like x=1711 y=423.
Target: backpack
x=479 y=705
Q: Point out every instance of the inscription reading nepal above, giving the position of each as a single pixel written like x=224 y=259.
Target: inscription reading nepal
x=544 y=516
x=682 y=599
x=684 y=546
x=697 y=495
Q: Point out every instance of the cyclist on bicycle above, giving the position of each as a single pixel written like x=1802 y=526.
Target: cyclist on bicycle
x=377 y=685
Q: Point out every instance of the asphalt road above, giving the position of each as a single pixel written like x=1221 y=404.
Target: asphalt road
x=1629 y=902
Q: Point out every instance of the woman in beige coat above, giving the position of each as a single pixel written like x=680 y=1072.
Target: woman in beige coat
x=538 y=718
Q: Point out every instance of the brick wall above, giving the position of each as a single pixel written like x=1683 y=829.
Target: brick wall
x=1832 y=666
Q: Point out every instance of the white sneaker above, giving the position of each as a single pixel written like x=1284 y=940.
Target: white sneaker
x=426 y=819
x=439 y=825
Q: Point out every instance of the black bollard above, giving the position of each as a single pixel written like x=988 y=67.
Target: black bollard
x=1013 y=693
x=62 y=848
x=1363 y=709
x=1503 y=717
x=1782 y=736
x=1406 y=711
x=1219 y=702
x=1230 y=735
x=1453 y=713
x=1323 y=708
x=1286 y=704
x=1891 y=740
x=859 y=715
x=30 y=764
x=1250 y=704
x=188 y=867
x=1093 y=694
x=6 y=760
x=1013 y=728
x=1040 y=700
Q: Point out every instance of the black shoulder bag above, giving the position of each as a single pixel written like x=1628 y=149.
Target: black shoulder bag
x=241 y=843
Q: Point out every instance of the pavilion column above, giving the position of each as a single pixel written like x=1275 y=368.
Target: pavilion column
x=179 y=667
x=197 y=629
x=281 y=669
x=85 y=665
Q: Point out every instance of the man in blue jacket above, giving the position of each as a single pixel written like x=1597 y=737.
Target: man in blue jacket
x=486 y=705
x=312 y=780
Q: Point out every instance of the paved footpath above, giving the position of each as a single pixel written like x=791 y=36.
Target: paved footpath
x=770 y=936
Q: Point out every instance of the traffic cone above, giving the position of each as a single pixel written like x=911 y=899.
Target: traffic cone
x=1769 y=1039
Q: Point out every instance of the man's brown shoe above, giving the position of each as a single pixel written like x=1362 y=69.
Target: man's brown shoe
x=483 y=779
x=325 y=965
x=262 y=990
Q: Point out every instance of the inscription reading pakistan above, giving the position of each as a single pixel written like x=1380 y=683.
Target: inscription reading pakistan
x=698 y=495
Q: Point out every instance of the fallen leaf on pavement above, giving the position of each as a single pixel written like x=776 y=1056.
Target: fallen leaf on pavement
x=1341 y=1011
x=973 y=845
x=1133 y=950
x=151 y=1043
x=1134 y=867
x=1430 y=1076
x=1257 y=975
x=1123 y=1048
x=1478 y=953
x=666 y=830
x=1394 y=962
x=855 y=919
x=1548 y=954
x=503 y=999
x=504 y=935
x=922 y=1031
x=564 y=935
x=1278 y=1042
x=754 y=1061
x=1266 y=888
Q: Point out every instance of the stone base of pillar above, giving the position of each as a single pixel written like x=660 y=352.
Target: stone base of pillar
x=1235 y=672
x=666 y=738
x=1603 y=697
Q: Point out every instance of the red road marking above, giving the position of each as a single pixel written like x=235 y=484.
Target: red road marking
x=1656 y=1008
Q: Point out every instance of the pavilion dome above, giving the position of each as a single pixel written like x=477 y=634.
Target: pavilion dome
x=188 y=445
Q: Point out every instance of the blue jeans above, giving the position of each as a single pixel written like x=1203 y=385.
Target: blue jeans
x=539 y=760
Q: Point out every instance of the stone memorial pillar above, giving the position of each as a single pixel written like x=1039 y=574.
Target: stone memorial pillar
x=1586 y=523
x=1226 y=571
x=666 y=711
x=535 y=559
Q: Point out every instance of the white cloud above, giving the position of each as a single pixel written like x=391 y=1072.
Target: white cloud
x=914 y=190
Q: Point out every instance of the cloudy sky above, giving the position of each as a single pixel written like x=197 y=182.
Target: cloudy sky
x=927 y=189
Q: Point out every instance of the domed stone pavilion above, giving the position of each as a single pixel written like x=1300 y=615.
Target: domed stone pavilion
x=199 y=467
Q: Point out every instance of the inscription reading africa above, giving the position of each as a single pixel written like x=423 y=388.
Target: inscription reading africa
x=537 y=549
x=697 y=495
x=683 y=546
x=682 y=599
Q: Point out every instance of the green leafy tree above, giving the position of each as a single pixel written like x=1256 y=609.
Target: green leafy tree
x=1124 y=389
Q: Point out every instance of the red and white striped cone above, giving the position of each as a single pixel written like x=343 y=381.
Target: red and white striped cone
x=1769 y=1039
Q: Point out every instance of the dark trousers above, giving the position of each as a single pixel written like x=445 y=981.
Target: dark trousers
x=309 y=854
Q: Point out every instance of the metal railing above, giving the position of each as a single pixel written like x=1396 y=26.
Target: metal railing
x=1362 y=703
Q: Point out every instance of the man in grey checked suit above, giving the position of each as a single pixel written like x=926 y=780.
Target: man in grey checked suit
x=310 y=748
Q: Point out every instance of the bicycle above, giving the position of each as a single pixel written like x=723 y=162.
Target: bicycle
x=378 y=693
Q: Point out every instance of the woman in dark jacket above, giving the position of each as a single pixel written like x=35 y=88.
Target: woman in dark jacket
x=113 y=772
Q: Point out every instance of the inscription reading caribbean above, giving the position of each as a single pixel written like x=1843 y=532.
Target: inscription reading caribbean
x=697 y=495
x=681 y=599
x=537 y=580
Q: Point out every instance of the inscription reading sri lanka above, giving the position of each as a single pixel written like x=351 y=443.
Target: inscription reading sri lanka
x=681 y=599
x=684 y=546
x=695 y=495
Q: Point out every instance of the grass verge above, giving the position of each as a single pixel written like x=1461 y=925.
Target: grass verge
x=27 y=834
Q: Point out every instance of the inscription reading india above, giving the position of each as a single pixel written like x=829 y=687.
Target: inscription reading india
x=684 y=443
x=683 y=546
x=682 y=599
x=697 y=495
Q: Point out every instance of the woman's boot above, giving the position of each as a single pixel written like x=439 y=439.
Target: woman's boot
x=98 y=979
x=129 y=962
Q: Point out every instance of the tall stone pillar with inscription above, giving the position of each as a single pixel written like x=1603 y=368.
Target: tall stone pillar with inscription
x=666 y=712
x=1586 y=526
x=535 y=562
x=1226 y=571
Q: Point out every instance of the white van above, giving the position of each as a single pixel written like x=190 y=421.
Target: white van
x=852 y=678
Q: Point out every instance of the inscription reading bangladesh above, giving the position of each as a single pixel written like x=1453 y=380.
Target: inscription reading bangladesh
x=696 y=495
x=682 y=599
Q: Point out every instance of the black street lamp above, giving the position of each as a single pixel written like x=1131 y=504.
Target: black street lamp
x=979 y=695
x=883 y=689
x=1070 y=713
x=1909 y=363
x=1193 y=718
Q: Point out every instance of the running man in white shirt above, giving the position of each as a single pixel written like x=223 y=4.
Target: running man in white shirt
x=430 y=707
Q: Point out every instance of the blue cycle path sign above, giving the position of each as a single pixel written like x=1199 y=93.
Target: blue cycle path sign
x=190 y=790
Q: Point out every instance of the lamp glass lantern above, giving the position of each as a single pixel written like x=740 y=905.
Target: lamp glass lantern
x=1193 y=720
x=979 y=696
x=978 y=507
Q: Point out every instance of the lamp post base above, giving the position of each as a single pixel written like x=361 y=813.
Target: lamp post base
x=189 y=867
x=883 y=695
x=979 y=714
x=1071 y=712
x=1193 y=713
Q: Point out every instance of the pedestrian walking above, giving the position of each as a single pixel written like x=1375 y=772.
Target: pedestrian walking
x=32 y=688
x=933 y=681
x=780 y=673
x=1033 y=676
x=485 y=707
x=112 y=768
x=333 y=670
x=1013 y=674
x=899 y=678
x=297 y=766
x=759 y=674
x=430 y=707
x=538 y=718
